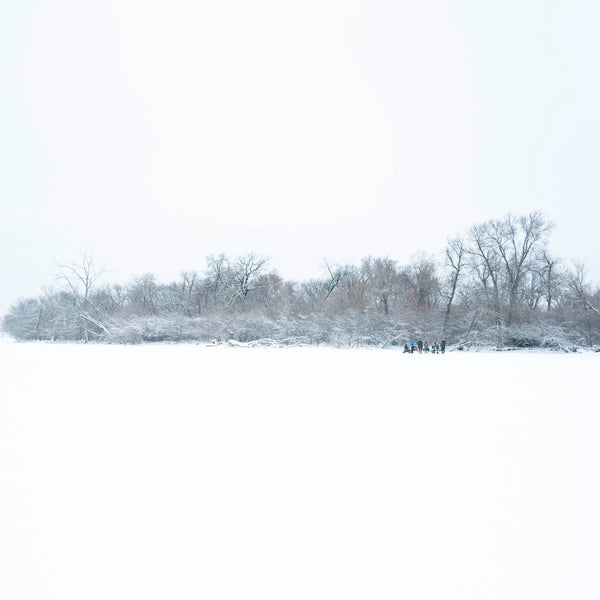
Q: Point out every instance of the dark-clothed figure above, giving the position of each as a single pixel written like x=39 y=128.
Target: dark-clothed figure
x=420 y=346
x=406 y=349
x=443 y=346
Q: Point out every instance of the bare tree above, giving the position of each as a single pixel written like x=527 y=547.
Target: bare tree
x=382 y=275
x=455 y=261
x=80 y=278
x=143 y=294
x=232 y=281
x=580 y=288
x=187 y=290
x=246 y=271
x=516 y=239
x=485 y=263
x=425 y=285
x=581 y=295
x=502 y=252
x=552 y=277
x=336 y=274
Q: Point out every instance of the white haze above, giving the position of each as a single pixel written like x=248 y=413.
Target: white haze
x=157 y=133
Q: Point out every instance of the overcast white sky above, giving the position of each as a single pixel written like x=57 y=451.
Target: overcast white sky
x=156 y=133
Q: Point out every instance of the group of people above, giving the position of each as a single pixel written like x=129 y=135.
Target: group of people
x=423 y=346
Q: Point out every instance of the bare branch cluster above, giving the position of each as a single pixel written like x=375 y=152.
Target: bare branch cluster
x=498 y=284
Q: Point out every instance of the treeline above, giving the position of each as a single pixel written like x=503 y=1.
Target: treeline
x=496 y=285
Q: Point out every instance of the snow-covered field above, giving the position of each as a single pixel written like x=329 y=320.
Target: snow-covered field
x=187 y=472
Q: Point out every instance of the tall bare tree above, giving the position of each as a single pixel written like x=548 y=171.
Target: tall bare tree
x=80 y=277
x=455 y=261
x=382 y=275
x=551 y=276
x=425 y=285
x=516 y=239
x=502 y=251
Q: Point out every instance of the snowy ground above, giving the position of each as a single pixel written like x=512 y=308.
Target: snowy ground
x=187 y=472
